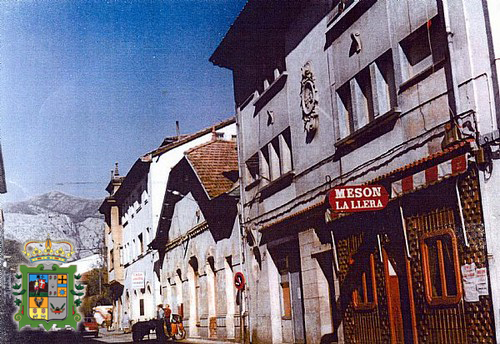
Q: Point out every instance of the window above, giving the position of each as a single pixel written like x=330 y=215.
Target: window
x=285 y=295
x=285 y=147
x=365 y=294
x=369 y=95
x=141 y=307
x=252 y=166
x=423 y=49
x=147 y=235
x=111 y=260
x=286 y=300
x=271 y=162
x=276 y=157
x=122 y=256
x=441 y=267
x=338 y=7
x=264 y=164
x=141 y=244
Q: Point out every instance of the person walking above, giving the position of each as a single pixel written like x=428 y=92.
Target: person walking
x=167 y=313
x=125 y=323
x=160 y=320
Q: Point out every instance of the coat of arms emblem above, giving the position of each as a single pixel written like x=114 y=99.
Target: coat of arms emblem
x=47 y=295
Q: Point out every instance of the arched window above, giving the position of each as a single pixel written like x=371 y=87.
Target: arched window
x=211 y=294
x=193 y=296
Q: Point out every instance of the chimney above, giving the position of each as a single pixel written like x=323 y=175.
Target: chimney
x=116 y=174
x=214 y=134
x=177 y=130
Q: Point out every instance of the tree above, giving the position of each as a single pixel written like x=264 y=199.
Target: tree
x=97 y=292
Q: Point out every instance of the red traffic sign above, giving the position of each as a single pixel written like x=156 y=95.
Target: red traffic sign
x=357 y=198
x=239 y=280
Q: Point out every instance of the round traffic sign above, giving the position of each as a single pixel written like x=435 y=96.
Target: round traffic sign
x=239 y=280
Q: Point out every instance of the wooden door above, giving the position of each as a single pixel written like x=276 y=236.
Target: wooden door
x=393 y=302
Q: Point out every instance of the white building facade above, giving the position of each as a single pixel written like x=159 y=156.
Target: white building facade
x=132 y=214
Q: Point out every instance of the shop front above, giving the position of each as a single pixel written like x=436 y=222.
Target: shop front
x=416 y=271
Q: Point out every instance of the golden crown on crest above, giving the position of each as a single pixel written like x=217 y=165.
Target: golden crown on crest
x=58 y=251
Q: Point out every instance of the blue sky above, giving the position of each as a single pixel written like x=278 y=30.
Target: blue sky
x=86 y=83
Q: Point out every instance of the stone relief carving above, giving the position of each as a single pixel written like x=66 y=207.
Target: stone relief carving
x=309 y=101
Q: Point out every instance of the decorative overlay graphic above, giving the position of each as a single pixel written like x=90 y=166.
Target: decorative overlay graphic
x=47 y=296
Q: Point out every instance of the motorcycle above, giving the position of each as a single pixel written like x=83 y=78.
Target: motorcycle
x=177 y=327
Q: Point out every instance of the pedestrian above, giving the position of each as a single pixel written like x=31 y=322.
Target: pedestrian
x=99 y=317
x=168 y=312
x=160 y=321
x=109 y=321
x=125 y=323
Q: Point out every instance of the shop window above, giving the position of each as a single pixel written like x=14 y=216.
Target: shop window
x=365 y=294
x=441 y=267
x=141 y=307
x=367 y=96
x=423 y=49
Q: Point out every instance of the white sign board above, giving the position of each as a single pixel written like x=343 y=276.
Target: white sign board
x=475 y=282
x=138 y=280
x=482 y=281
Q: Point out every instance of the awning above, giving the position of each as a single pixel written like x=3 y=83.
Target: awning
x=429 y=176
x=419 y=174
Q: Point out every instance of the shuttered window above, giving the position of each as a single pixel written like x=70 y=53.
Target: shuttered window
x=441 y=267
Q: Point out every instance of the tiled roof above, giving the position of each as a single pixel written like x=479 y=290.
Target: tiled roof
x=189 y=137
x=141 y=166
x=216 y=165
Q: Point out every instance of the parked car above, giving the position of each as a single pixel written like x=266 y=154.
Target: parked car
x=89 y=327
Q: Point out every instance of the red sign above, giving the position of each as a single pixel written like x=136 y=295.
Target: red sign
x=354 y=198
x=239 y=280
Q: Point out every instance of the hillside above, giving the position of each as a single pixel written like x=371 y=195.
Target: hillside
x=59 y=215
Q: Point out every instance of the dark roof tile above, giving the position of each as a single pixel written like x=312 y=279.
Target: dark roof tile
x=216 y=165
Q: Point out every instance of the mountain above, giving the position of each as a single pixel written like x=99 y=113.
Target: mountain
x=59 y=215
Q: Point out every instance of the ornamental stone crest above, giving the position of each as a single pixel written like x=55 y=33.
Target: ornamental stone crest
x=309 y=101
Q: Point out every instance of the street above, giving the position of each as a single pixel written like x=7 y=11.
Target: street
x=72 y=337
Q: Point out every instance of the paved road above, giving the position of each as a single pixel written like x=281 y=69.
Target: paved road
x=63 y=337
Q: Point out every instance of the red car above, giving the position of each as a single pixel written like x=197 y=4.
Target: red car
x=89 y=327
